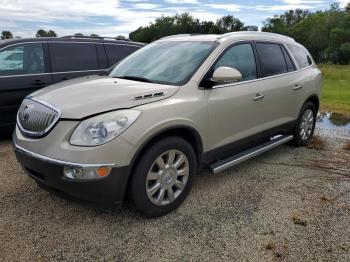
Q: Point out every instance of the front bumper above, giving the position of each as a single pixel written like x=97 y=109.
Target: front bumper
x=49 y=172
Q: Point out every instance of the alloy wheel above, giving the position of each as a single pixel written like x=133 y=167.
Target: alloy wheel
x=167 y=177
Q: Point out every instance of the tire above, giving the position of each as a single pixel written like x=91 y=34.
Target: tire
x=160 y=183
x=306 y=121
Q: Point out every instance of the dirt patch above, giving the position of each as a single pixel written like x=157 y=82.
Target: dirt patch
x=347 y=146
x=317 y=142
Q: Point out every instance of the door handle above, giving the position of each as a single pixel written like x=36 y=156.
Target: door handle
x=38 y=82
x=297 y=87
x=258 y=97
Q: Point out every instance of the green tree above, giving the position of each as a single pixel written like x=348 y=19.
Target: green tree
x=6 y=35
x=94 y=35
x=186 y=24
x=44 y=33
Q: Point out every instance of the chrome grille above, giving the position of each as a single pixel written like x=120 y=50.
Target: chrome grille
x=36 y=118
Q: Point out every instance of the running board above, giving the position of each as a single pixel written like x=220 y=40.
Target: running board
x=249 y=153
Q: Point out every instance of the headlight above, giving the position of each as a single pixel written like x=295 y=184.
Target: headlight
x=103 y=128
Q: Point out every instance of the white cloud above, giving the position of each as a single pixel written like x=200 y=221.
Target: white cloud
x=282 y=7
x=343 y=3
x=227 y=7
x=298 y=2
x=146 y=6
x=182 y=1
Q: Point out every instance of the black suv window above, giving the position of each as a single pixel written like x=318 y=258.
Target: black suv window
x=22 y=59
x=271 y=59
x=240 y=57
x=300 y=55
x=117 y=52
x=74 y=57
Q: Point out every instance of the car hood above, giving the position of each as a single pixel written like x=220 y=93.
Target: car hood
x=85 y=96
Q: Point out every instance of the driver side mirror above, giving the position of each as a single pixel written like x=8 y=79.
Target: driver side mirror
x=226 y=75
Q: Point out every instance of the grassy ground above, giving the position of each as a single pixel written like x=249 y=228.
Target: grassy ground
x=336 y=89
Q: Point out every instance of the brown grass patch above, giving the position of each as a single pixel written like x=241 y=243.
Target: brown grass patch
x=347 y=146
x=317 y=142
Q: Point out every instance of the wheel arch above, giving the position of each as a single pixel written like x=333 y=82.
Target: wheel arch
x=186 y=132
x=315 y=100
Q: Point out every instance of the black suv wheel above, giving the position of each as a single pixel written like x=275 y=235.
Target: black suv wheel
x=305 y=126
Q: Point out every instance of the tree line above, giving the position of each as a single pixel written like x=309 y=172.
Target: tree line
x=326 y=34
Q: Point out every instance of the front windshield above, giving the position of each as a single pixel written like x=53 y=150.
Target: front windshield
x=171 y=63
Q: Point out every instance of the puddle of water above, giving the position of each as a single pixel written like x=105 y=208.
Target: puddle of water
x=332 y=121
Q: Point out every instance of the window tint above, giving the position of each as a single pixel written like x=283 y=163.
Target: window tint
x=240 y=57
x=290 y=65
x=115 y=53
x=74 y=57
x=300 y=55
x=271 y=59
x=22 y=59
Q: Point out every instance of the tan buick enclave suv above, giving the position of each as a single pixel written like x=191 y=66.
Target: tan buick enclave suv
x=177 y=105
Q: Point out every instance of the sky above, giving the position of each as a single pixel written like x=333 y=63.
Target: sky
x=119 y=17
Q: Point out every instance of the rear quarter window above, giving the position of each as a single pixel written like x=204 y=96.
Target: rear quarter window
x=115 y=53
x=271 y=59
x=301 y=55
x=74 y=57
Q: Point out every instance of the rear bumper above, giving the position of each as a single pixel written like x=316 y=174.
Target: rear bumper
x=48 y=172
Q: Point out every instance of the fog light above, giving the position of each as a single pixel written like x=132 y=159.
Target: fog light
x=86 y=173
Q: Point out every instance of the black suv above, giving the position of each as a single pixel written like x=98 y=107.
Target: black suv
x=27 y=65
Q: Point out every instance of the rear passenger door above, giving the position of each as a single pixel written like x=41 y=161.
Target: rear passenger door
x=73 y=59
x=276 y=83
x=116 y=52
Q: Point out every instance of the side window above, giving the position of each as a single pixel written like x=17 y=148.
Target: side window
x=300 y=55
x=73 y=57
x=240 y=57
x=115 y=53
x=22 y=59
x=290 y=65
x=271 y=59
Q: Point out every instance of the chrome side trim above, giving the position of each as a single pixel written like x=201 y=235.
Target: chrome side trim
x=57 y=161
x=54 y=73
x=247 y=154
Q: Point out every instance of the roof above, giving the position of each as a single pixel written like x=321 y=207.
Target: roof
x=240 y=35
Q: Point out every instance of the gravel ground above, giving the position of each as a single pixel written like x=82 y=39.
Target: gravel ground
x=289 y=204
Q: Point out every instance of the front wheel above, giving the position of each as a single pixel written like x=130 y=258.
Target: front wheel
x=305 y=126
x=163 y=176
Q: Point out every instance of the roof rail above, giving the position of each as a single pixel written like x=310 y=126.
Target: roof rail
x=95 y=37
x=173 y=36
x=287 y=38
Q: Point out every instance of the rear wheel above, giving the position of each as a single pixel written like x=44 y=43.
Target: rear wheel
x=163 y=176
x=305 y=125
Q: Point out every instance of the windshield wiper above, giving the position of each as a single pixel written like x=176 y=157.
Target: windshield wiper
x=137 y=78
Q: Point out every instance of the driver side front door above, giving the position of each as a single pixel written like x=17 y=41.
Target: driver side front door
x=237 y=110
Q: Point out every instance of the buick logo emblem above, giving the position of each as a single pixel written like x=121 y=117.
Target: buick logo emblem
x=26 y=113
